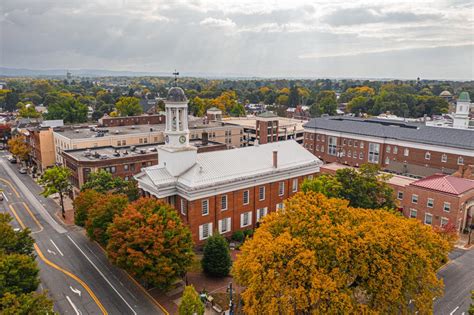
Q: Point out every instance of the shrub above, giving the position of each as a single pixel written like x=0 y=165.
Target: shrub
x=238 y=236
x=216 y=260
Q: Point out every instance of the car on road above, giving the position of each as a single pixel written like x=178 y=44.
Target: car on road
x=11 y=159
x=1 y=196
x=23 y=170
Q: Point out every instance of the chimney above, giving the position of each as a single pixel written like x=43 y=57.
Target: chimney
x=275 y=158
x=205 y=138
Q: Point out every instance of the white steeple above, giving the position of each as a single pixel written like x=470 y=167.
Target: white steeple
x=461 y=116
x=176 y=155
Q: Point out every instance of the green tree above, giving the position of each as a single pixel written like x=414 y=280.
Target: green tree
x=216 y=261
x=68 y=109
x=359 y=104
x=55 y=180
x=326 y=101
x=26 y=304
x=128 y=106
x=12 y=241
x=18 y=274
x=150 y=241
x=364 y=187
x=102 y=214
x=27 y=110
x=293 y=97
x=103 y=181
x=190 y=302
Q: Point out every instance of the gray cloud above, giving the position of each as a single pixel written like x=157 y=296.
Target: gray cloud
x=356 y=16
x=222 y=38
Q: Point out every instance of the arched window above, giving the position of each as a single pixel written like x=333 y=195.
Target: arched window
x=427 y=156
x=460 y=160
x=444 y=158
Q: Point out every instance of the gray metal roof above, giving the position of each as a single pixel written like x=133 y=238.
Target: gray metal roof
x=449 y=137
x=176 y=94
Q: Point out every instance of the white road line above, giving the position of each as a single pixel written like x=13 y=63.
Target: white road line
x=4 y=196
x=78 y=312
x=33 y=200
x=57 y=248
x=77 y=291
x=103 y=276
x=454 y=310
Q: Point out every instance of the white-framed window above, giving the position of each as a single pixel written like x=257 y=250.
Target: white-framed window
x=374 y=152
x=332 y=145
x=400 y=195
x=387 y=149
x=205 y=207
x=350 y=143
x=349 y=153
x=225 y=225
x=295 y=185
x=361 y=144
x=430 y=202
x=444 y=158
x=183 y=207
x=261 y=213
x=444 y=222
x=322 y=148
x=224 y=202
x=413 y=213
x=428 y=218
x=460 y=160
x=355 y=144
x=344 y=141
x=395 y=150
x=280 y=206
x=387 y=160
x=317 y=147
x=317 y=137
x=245 y=219
x=245 y=197
x=205 y=230
x=414 y=198
x=310 y=176
x=125 y=167
x=406 y=152
x=261 y=193
x=361 y=156
x=281 y=188
x=446 y=206
x=427 y=156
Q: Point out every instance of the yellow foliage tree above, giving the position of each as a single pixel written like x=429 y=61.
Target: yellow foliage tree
x=18 y=147
x=320 y=256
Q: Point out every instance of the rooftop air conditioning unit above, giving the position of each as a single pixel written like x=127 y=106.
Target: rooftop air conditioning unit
x=116 y=153
x=87 y=153
x=142 y=151
x=132 y=127
x=116 y=131
x=132 y=148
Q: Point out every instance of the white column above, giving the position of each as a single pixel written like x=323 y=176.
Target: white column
x=185 y=119
x=177 y=119
x=168 y=120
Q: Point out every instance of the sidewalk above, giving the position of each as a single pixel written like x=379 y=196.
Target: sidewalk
x=462 y=242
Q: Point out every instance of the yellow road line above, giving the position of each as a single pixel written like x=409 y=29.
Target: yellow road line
x=33 y=217
x=154 y=301
x=40 y=254
x=93 y=296
x=11 y=185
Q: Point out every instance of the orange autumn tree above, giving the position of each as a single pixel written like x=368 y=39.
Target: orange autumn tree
x=149 y=240
x=320 y=256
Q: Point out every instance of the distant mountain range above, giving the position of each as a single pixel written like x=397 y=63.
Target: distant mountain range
x=18 y=72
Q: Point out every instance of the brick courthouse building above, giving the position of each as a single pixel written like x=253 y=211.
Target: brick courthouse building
x=223 y=191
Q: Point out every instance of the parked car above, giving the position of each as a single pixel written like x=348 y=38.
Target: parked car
x=23 y=170
x=12 y=159
x=1 y=196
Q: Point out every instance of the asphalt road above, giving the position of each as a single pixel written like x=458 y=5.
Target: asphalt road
x=74 y=270
x=458 y=276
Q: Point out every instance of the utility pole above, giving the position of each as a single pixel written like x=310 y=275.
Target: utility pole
x=231 y=301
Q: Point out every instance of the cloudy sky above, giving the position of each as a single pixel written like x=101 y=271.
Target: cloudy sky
x=321 y=38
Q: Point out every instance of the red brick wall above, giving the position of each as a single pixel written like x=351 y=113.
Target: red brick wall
x=133 y=120
x=415 y=156
x=235 y=207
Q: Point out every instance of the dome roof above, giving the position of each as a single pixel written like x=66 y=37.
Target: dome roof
x=445 y=93
x=176 y=94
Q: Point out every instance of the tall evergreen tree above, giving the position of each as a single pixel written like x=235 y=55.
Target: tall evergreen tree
x=216 y=261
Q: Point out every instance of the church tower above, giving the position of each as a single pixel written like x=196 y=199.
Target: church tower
x=176 y=155
x=461 y=116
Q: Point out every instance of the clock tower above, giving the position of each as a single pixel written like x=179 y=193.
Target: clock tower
x=176 y=155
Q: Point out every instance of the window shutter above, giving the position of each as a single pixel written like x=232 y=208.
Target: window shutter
x=210 y=229
x=241 y=220
x=200 y=232
x=220 y=226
